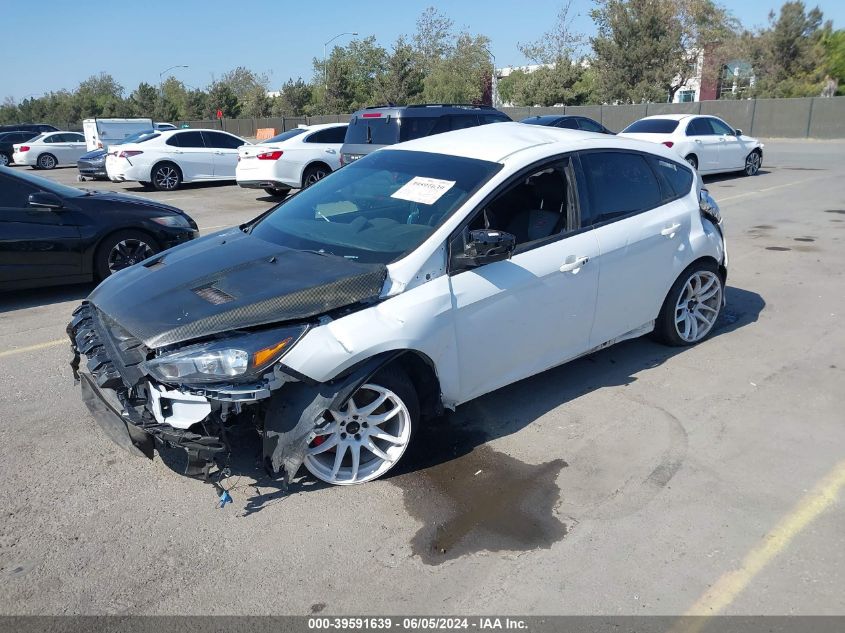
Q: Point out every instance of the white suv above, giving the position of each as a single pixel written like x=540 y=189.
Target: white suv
x=418 y=277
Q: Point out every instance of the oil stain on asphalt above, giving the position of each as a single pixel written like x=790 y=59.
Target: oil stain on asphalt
x=472 y=498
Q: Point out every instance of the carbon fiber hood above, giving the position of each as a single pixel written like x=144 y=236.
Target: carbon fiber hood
x=227 y=281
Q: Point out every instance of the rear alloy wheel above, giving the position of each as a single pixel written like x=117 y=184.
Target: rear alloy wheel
x=47 y=161
x=313 y=174
x=368 y=436
x=752 y=163
x=166 y=177
x=123 y=249
x=692 y=307
x=4 y=160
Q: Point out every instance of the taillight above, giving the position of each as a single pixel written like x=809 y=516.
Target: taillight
x=129 y=153
x=668 y=143
x=270 y=155
x=23 y=148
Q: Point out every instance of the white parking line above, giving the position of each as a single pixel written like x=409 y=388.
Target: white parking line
x=759 y=191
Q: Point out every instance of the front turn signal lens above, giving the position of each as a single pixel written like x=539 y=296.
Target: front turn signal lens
x=269 y=354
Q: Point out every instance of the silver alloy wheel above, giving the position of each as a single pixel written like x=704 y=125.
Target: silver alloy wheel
x=166 y=177
x=361 y=442
x=314 y=176
x=46 y=161
x=698 y=306
x=127 y=253
x=752 y=163
x=4 y=160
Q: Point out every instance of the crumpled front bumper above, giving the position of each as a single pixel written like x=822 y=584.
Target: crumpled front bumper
x=115 y=393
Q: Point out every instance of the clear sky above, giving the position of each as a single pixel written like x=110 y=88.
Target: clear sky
x=54 y=44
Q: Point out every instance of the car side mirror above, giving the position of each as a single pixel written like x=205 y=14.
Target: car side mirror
x=738 y=132
x=485 y=246
x=45 y=200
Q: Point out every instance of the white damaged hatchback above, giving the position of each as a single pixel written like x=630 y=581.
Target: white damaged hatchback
x=417 y=278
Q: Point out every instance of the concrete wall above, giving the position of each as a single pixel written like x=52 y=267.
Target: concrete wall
x=812 y=117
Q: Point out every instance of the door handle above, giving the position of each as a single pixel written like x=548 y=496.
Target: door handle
x=178 y=151
x=670 y=231
x=219 y=153
x=575 y=265
x=698 y=140
x=330 y=151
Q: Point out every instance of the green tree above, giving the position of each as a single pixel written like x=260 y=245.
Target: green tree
x=433 y=40
x=293 y=98
x=144 y=99
x=790 y=55
x=222 y=97
x=402 y=80
x=645 y=50
x=834 y=50
x=464 y=75
x=256 y=103
x=196 y=105
x=351 y=73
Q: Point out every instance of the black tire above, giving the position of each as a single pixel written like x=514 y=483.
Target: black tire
x=5 y=159
x=107 y=261
x=753 y=162
x=166 y=176
x=146 y=184
x=666 y=330
x=692 y=159
x=313 y=174
x=46 y=161
x=281 y=194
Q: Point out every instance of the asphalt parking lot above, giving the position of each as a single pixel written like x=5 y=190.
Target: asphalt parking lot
x=639 y=480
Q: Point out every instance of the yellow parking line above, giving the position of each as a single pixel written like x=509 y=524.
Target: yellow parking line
x=731 y=584
x=33 y=348
x=759 y=191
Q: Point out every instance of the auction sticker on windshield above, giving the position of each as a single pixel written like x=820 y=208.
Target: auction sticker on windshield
x=423 y=190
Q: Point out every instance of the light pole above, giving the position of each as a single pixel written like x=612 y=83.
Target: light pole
x=161 y=74
x=494 y=84
x=325 y=68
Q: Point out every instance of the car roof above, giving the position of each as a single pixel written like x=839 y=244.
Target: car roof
x=427 y=109
x=497 y=141
x=323 y=126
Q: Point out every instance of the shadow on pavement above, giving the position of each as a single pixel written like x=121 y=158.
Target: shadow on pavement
x=457 y=434
x=22 y=299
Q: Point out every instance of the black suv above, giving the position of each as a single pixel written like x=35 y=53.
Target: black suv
x=35 y=128
x=377 y=126
x=7 y=140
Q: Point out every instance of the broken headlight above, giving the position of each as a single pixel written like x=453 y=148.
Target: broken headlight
x=232 y=359
x=708 y=207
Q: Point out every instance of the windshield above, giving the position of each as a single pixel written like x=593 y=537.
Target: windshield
x=377 y=208
x=49 y=185
x=284 y=136
x=652 y=126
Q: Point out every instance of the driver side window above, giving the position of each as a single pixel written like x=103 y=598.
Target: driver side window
x=534 y=210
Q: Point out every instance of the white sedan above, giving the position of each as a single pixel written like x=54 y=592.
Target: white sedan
x=292 y=160
x=166 y=159
x=50 y=150
x=705 y=142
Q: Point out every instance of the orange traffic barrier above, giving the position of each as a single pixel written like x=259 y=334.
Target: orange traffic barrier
x=263 y=133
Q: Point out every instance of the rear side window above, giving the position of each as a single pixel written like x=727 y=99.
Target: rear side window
x=568 y=124
x=186 y=139
x=618 y=184
x=221 y=141
x=675 y=178
x=329 y=135
x=484 y=119
x=699 y=127
x=590 y=126
x=652 y=126
x=53 y=138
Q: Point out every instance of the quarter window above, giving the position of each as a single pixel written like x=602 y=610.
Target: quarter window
x=569 y=124
x=14 y=194
x=676 y=179
x=618 y=184
x=590 y=126
x=54 y=138
x=329 y=135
